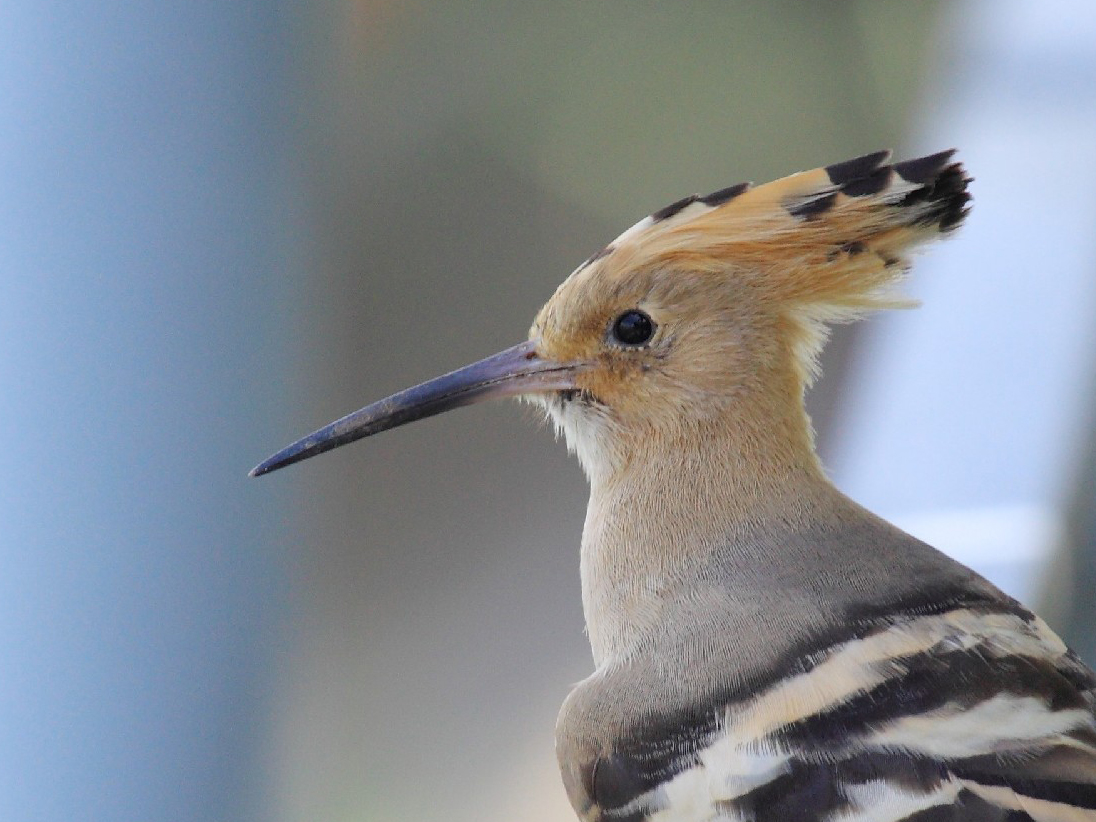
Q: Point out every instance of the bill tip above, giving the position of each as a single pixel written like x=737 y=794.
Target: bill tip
x=260 y=469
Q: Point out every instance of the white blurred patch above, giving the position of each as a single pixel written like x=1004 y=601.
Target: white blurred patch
x=1006 y=544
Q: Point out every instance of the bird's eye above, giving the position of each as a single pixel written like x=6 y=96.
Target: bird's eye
x=633 y=328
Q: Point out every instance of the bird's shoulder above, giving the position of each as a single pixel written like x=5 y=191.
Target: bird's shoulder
x=971 y=709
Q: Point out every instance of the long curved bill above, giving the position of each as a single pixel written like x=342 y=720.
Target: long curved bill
x=517 y=370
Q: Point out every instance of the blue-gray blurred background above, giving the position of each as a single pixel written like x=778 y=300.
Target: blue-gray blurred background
x=224 y=224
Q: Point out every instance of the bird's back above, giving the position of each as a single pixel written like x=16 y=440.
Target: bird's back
x=878 y=681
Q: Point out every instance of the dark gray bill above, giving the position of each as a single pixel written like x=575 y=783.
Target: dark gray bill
x=516 y=370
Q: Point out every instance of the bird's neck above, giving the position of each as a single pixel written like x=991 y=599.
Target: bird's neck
x=654 y=522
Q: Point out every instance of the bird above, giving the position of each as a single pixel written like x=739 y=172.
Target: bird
x=765 y=649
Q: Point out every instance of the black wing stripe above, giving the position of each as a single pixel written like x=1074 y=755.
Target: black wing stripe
x=1074 y=794
x=928 y=681
x=807 y=792
x=968 y=807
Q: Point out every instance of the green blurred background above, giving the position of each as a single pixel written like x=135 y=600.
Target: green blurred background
x=227 y=224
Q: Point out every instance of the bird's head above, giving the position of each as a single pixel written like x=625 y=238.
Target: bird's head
x=658 y=347
x=711 y=309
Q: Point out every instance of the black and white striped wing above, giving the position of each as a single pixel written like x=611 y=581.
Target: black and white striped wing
x=961 y=715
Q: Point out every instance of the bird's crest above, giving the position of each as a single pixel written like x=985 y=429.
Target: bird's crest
x=820 y=246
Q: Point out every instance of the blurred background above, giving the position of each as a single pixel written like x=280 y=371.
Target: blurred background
x=225 y=224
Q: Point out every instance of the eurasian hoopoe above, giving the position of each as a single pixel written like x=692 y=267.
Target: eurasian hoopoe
x=765 y=648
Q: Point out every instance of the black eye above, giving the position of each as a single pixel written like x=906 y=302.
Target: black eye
x=633 y=328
